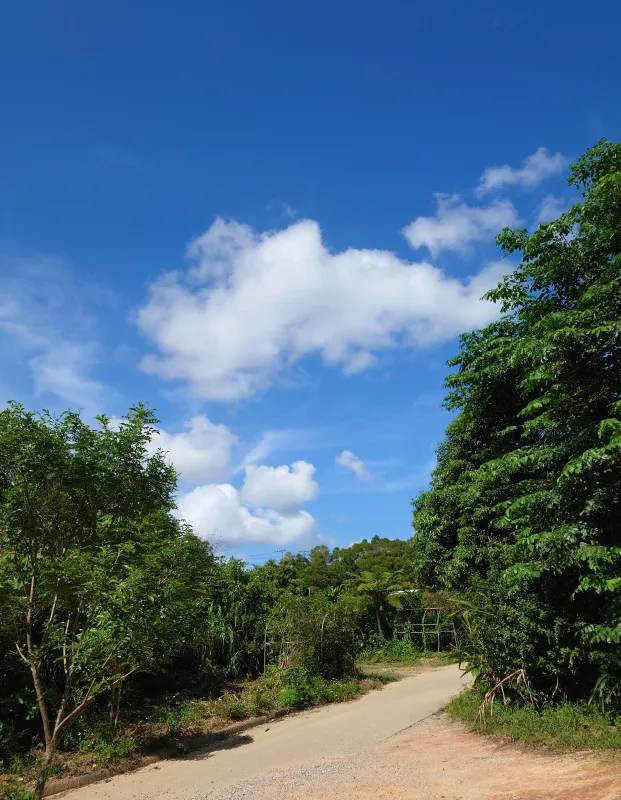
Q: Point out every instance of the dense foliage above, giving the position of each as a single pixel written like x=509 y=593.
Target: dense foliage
x=99 y=580
x=523 y=515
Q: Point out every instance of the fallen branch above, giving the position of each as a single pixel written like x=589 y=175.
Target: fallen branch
x=490 y=696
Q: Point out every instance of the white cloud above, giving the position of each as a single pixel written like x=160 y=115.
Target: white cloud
x=550 y=208
x=43 y=325
x=252 y=305
x=457 y=225
x=351 y=461
x=282 y=488
x=217 y=510
x=62 y=370
x=537 y=167
x=431 y=399
x=202 y=453
x=267 y=508
x=273 y=441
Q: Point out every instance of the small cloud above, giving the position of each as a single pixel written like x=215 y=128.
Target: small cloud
x=289 y=212
x=351 y=461
x=457 y=225
x=46 y=324
x=284 y=209
x=359 y=362
x=201 y=453
x=284 y=488
x=433 y=399
x=62 y=370
x=550 y=208
x=271 y=442
x=539 y=166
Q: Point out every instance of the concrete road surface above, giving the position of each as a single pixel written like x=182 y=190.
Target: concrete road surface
x=335 y=730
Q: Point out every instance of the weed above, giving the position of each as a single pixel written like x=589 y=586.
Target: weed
x=403 y=651
x=562 y=725
x=12 y=788
x=377 y=679
x=232 y=708
x=262 y=699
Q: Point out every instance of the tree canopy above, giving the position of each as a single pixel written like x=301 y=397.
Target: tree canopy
x=523 y=512
x=100 y=580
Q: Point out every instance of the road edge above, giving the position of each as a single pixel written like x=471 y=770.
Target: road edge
x=58 y=785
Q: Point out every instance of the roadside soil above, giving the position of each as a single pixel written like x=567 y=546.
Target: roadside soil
x=438 y=759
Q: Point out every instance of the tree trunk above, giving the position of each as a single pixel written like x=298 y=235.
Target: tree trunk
x=38 y=686
x=115 y=704
x=44 y=771
x=378 y=619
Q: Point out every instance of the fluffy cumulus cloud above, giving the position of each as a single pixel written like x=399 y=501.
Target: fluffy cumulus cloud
x=252 y=304
x=217 y=511
x=201 y=453
x=350 y=461
x=539 y=166
x=267 y=508
x=282 y=488
x=456 y=225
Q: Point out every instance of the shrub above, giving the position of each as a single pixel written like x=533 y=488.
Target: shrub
x=404 y=650
x=315 y=634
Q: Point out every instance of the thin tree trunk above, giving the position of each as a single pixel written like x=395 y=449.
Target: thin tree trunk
x=118 y=705
x=378 y=618
x=34 y=669
x=48 y=755
x=47 y=730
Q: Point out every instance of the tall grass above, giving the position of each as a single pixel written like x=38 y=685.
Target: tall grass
x=558 y=726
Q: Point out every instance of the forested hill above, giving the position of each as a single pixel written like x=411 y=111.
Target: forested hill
x=322 y=568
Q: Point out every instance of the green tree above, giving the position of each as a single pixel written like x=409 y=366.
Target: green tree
x=524 y=508
x=105 y=580
x=379 y=587
x=380 y=554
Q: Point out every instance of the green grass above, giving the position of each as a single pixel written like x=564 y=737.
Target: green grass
x=394 y=651
x=11 y=788
x=401 y=652
x=560 y=726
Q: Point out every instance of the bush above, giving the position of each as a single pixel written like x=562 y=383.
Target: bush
x=301 y=689
x=232 y=708
x=404 y=650
x=315 y=634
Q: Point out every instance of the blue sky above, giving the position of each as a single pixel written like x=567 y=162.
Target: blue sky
x=271 y=220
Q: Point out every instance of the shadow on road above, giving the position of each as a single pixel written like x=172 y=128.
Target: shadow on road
x=230 y=743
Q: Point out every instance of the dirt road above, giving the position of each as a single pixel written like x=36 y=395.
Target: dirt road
x=385 y=745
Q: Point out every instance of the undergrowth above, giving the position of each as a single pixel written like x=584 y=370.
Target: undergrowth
x=555 y=726
x=402 y=651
